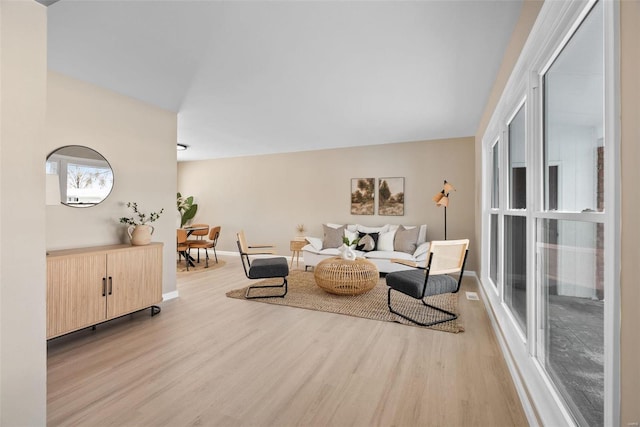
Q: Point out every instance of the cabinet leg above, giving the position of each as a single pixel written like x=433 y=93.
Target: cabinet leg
x=155 y=310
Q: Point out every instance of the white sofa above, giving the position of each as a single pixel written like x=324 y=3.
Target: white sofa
x=387 y=246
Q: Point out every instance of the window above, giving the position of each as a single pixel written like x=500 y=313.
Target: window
x=517 y=162
x=550 y=240
x=572 y=248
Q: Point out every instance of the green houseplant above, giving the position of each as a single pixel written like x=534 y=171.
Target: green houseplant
x=187 y=209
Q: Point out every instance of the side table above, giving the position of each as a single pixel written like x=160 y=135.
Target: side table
x=296 y=247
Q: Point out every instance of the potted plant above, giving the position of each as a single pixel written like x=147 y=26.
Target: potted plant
x=139 y=231
x=187 y=209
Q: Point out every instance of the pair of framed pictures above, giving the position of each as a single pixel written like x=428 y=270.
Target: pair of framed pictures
x=390 y=195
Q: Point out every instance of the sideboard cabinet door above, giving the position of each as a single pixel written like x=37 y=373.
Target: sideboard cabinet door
x=135 y=280
x=75 y=293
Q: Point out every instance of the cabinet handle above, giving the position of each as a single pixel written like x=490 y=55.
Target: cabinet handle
x=104 y=286
x=110 y=285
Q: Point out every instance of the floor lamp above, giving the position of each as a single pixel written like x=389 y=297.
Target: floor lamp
x=442 y=199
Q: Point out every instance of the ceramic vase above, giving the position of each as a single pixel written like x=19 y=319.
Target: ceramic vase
x=347 y=252
x=140 y=235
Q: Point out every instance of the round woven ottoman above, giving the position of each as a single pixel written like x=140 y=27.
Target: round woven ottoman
x=345 y=277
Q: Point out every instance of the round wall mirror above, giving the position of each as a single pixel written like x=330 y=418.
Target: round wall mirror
x=77 y=176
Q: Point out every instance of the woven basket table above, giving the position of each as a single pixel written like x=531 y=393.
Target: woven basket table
x=345 y=277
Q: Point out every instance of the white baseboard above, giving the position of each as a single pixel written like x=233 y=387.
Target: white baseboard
x=170 y=295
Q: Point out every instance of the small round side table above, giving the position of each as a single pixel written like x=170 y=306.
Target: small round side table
x=346 y=277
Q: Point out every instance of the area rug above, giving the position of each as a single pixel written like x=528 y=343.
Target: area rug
x=199 y=266
x=304 y=293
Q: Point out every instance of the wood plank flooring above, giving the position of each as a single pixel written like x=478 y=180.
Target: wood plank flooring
x=215 y=361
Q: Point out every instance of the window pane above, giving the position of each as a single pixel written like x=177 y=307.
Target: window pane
x=573 y=113
x=515 y=268
x=572 y=264
x=517 y=162
x=493 y=254
x=495 y=177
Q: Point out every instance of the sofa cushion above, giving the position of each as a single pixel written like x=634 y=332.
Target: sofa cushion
x=367 y=242
x=388 y=255
x=406 y=239
x=332 y=236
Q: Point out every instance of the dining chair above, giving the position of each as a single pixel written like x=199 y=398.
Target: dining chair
x=214 y=233
x=181 y=245
x=199 y=231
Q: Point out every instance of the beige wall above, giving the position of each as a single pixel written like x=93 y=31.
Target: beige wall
x=630 y=199
x=139 y=142
x=268 y=195
x=23 y=68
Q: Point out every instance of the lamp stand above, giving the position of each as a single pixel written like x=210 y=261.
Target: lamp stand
x=445 y=223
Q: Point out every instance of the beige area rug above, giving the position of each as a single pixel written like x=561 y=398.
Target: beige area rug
x=181 y=268
x=304 y=293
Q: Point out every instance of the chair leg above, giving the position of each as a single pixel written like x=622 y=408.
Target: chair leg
x=206 y=258
x=283 y=285
x=215 y=254
x=451 y=316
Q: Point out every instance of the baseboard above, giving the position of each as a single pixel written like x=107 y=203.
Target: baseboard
x=525 y=398
x=170 y=295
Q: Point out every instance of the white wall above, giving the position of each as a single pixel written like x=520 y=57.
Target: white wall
x=23 y=68
x=139 y=142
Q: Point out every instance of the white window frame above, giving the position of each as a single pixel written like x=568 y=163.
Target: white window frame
x=556 y=23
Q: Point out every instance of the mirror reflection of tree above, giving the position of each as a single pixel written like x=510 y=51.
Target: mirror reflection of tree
x=80 y=177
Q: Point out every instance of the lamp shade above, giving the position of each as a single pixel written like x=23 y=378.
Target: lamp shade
x=444 y=201
x=448 y=187
x=438 y=196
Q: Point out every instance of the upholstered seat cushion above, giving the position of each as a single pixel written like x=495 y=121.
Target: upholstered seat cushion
x=410 y=282
x=263 y=268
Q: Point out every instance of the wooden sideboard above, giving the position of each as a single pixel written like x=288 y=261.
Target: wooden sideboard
x=87 y=286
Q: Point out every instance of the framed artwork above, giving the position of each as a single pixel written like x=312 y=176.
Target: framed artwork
x=363 y=194
x=391 y=196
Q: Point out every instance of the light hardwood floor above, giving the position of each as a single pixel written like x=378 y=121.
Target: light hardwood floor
x=216 y=361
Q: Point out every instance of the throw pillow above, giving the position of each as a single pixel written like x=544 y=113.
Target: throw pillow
x=316 y=242
x=365 y=229
x=406 y=239
x=351 y=235
x=385 y=241
x=367 y=242
x=332 y=236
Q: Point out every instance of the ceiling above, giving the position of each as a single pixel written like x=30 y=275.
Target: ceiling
x=258 y=77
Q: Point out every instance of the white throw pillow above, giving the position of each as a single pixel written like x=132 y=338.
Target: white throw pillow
x=365 y=229
x=315 y=242
x=351 y=235
x=385 y=241
x=422 y=249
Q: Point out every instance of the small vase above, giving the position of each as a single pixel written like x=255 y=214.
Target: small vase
x=346 y=252
x=140 y=235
